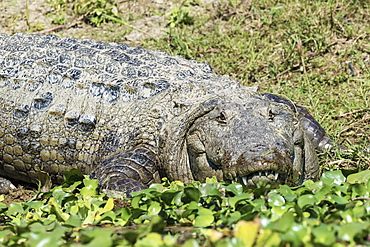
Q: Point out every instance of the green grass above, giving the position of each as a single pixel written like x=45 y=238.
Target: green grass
x=298 y=49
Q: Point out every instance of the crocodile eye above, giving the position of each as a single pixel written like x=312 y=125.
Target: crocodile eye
x=222 y=118
x=271 y=115
x=272 y=111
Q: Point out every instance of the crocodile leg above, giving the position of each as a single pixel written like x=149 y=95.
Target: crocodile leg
x=131 y=170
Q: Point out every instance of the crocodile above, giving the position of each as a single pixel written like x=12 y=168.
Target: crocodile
x=129 y=116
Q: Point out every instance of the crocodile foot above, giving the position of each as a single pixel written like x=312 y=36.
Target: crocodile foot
x=122 y=186
x=6 y=186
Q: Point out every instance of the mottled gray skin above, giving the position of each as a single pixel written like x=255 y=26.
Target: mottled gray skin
x=129 y=116
x=315 y=133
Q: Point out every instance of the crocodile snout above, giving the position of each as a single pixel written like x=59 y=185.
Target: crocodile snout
x=261 y=163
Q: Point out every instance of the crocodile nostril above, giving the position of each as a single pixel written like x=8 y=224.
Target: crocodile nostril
x=258 y=148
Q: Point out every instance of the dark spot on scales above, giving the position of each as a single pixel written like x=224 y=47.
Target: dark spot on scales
x=43 y=100
x=22 y=111
x=22 y=132
x=87 y=122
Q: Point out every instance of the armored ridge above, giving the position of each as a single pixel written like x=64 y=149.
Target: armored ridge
x=129 y=116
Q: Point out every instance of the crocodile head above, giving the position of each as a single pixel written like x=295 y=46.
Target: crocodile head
x=247 y=141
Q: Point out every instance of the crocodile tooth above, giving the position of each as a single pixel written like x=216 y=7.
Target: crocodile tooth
x=260 y=174
x=276 y=176
x=244 y=179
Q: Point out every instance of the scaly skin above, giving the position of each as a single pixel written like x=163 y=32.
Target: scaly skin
x=129 y=116
x=316 y=134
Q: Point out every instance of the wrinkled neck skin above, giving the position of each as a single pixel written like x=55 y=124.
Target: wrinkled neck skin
x=173 y=153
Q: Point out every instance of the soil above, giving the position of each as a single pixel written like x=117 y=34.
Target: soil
x=38 y=16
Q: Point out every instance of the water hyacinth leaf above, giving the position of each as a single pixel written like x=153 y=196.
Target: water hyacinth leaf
x=5 y=234
x=312 y=186
x=36 y=205
x=152 y=239
x=157 y=187
x=51 y=219
x=358 y=190
x=230 y=242
x=276 y=200
x=268 y=238
x=154 y=208
x=157 y=224
x=333 y=177
x=212 y=180
x=90 y=218
x=248 y=212
x=38 y=227
x=73 y=221
x=135 y=201
x=287 y=192
x=209 y=190
x=323 y=192
x=109 y=205
x=278 y=211
x=247 y=231
x=359 y=210
x=234 y=201
x=60 y=195
x=176 y=185
x=296 y=235
x=191 y=194
x=283 y=224
x=52 y=237
x=108 y=217
x=97 y=237
x=131 y=236
x=169 y=240
x=190 y=243
x=15 y=207
x=90 y=188
x=234 y=217
x=359 y=177
x=349 y=231
x=324 y=235
x=44 y=239
x=236 y=188
x=124 y=213
x=306 y=200
x=168 y=196
x=72 y=176
x=259 y=205
x=339 y=199
x=57 y=210
x=204 y=218
x=213 y=235
x=177 y=199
